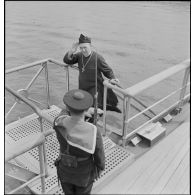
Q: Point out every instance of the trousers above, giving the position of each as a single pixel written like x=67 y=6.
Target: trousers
x=69 y=188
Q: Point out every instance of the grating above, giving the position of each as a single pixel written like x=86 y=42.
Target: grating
x=108 y=144
x=59 y=191
x=24 y=130
x=115 y=159
x=54 y=113
x=27 y=128
x=115 y=156
x=52 y=148
x=30 y=125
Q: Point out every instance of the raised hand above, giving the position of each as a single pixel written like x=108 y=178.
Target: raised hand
x=74 y=47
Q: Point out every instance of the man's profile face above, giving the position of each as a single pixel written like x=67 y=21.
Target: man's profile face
x=85 y=48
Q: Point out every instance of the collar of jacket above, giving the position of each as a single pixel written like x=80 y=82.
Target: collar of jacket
x=80 y=134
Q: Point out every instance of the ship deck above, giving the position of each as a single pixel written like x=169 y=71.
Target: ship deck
x=165 y=169
x=160 y=169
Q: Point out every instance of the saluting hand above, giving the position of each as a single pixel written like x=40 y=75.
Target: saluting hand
x=73 y=50
x=74 y=47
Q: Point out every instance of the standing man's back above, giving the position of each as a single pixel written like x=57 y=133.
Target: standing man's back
x=81 y=146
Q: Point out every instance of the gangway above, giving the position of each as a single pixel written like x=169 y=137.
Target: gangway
x=117 y=157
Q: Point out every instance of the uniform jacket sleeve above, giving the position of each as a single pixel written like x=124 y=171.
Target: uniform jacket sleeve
x=99 y=155
x=72 y=60
x=105 y=68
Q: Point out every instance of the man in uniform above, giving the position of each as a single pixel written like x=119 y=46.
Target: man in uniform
x=82 y=155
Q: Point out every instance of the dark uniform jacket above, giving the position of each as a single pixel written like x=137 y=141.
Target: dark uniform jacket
x=83 y=144
x=87 y=77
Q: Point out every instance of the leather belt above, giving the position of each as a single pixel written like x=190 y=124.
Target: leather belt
x=79 y=159
x=82 y=159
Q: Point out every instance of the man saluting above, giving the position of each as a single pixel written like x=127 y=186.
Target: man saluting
x=86 y=60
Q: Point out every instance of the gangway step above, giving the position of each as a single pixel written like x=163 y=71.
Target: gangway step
x=18 y=173
x=117 y=159
x=29 y=126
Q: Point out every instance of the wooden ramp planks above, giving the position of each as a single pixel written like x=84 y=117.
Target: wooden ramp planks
x=167 y=170
x=176 y=181
x=149 y=171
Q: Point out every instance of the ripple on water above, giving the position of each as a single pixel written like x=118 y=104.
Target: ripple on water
x=138 y=39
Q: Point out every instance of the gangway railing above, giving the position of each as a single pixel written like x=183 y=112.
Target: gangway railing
x=129 y=94
x=44 y=67
x=22 y=96
x=38 y=140
x=14 y=150
x=126 y=94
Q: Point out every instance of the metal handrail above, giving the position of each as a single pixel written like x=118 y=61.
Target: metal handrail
x=25 y=100
x=27 y=183
x=17 y=148
x=137 y=88
x=129 y=93
x=35 y=108
x=115 y=87
x=40 y=139
x=155 y=117
x=24 y=145
x=141 y=86
x=156 y=103
x=126 y=93
x=22 y=67
x=44 y=64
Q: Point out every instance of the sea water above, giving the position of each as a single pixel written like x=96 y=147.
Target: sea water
x=137 y=39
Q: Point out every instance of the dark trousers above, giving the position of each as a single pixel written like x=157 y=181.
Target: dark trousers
x=69 y=188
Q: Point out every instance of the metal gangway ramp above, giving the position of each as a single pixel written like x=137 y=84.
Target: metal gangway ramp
x=117 y=158
x=40 y=161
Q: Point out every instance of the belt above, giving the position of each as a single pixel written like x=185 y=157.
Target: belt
x=79 y=159
x=82 y=159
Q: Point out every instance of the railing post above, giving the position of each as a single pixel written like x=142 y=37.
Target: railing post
x=104 y=108
x=126 y=108
x=67 y=79
x=42 y=168
x=184 y=86
x=34 y=78
x=47 y=85
x=44 y=148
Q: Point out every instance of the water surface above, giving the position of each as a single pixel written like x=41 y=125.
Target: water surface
x=137 y=39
